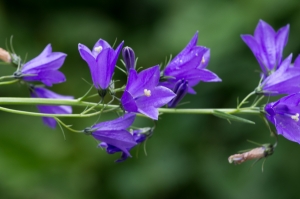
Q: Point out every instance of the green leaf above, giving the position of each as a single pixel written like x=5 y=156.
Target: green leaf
x=231 y=117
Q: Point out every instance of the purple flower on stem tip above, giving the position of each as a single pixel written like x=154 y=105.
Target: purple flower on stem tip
x=102 y=61
x=285 y=80
x=190 y=66
x=114 y=133
x=267 y=45
x=142 y=93
x=44 y=68
x=284 y=114
x=139 y=135
x=38 y=92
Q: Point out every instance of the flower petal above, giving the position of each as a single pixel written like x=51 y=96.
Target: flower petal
x=121 y=139
x=120 y=123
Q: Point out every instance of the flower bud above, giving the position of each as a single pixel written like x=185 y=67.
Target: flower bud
x=129 y=57
x=256 y=153
x=180 y=89
x=5 y=56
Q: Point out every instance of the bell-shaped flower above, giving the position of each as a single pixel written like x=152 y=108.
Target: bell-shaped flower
x=139 y=135
x=143 y=94
x=267 y=45
x=189 y=65
x=39 y=92
x=43 y=68
x=284 y=114
x=102 y=62
x=115 y=133
x=285 y=80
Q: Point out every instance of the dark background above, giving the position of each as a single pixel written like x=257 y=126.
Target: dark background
x=187 y=156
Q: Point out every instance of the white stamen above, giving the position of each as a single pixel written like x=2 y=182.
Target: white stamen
x=180 y=61
x=203 y=60
x=295 y=117
x=196 y=54
x=98 y=49
x=147 y=92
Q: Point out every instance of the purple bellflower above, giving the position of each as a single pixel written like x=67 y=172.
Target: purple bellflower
x=139 y=135
x=284 y=114
x=267 y=45
x=43 y=68
x=285 y=80
x=114 y=133
x=101 y=61
x=143 y=94
x=189 y=66
x=39 y=92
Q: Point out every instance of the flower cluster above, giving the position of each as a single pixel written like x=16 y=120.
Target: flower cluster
x=144 y=92
x=279 y=77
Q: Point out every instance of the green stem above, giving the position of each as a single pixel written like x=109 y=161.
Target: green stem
x=244 y=100
x=9 y=82
x=74 y=102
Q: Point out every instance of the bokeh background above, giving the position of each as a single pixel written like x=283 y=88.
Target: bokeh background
x=187 y=156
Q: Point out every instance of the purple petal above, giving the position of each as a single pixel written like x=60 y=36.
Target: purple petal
x=45 y=93
x=47 y=51
x=255 y=48
x=186 y=62
x=189 y=46
x=47 y=77
x=265 y=36
x=149 y=111
x=101 y=43
x=105 y=69
x=116 y=54
x=122 y=122
x=121 y=139
x=128 y=103
x=159 y=97
x=91 y=61
x=205 y=60
x=51 y=62
x=281 y=41
x=147 y=79
x=284 y=80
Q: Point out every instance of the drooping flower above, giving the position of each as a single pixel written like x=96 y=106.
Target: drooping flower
x=115 y=133
x=285 y=80
x=139 y=135
x=189 y=66
x=43 y=68
x=267 y=45
x=284 y=114
x=143 y=94
x=128 y=57
x=39 y=92
x=101 y=61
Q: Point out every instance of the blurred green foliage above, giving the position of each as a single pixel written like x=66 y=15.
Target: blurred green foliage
x=187 y=156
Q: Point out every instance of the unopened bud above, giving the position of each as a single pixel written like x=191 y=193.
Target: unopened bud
x=180 y=89
x=256 y=153
x=129 y=58
x=5 y=56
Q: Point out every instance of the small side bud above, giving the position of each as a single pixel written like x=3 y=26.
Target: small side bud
x=5 y=56
x=180 y=89
x=256 y=153
x=129 y=58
